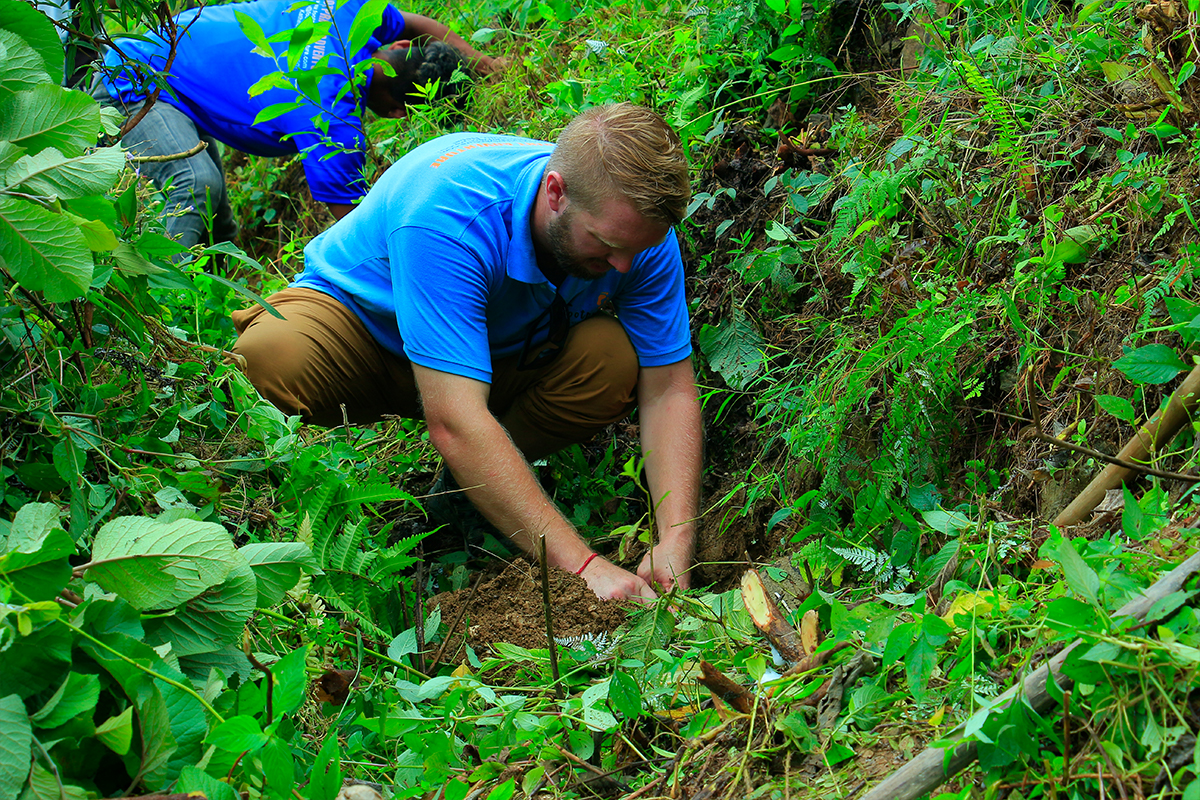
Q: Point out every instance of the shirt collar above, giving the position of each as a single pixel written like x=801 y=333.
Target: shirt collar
x=521 y=259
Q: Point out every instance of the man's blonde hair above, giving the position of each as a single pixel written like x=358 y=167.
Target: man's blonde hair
x=623 y=150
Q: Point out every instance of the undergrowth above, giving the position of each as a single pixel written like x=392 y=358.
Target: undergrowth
x=895 y=270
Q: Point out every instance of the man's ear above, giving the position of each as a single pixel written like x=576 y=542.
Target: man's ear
x=556 y=192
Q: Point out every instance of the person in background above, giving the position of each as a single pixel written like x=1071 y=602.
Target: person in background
x=520 y=296
x=206 y=98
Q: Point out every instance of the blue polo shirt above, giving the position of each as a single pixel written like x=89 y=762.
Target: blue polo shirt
x=438 y=262
x=215 y=65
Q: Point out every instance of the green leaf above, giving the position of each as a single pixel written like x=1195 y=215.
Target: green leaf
x=255 y=34
x=116 y=733
x=194 y=779
x=1082 y=579
x=277 y=110
x=77 y=694
x=98 y=236
x=325 y=780
x=23 y=67
x=50 y=116
x=44 y=251
x=44 y=785
x=212 y=619
x=51 y=173
x=230 y=660
x=31 y=525
x=504 y=791
x=291 y=681
x=39 y=569
x=1152 y=363
x=918 y=665
x=1119 y=407
x=36 y=662
x=159 y=565
x=788 y=52
x=36 y=29
x=734 y=350
x=16 y=739
x=624 y=693
x=404 y=644
x=277 y=768
x=366 y=21
x=237 y=735
x=278 y=566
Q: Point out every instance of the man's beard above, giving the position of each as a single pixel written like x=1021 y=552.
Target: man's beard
x=558 y=239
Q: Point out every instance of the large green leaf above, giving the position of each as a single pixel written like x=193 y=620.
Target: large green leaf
x=16 y=739
x=1153 y=363
x=44 y=251
x=9 y=153
x=734 y=350
x=156 y=564
x=77 y=694
x=22 y=66
x=38 y=31
x=36 y=662
x=44 y=785
x=171 y=722
x=31 y=525
x=51 y=173
x=278 y=566
x=50 y=116
x=230 y=660
x=212 y=619
x=39 y=569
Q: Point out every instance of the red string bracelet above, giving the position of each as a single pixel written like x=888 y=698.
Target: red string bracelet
x=585 y=563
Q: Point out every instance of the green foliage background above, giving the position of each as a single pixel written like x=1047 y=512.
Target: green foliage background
x=1003 y=218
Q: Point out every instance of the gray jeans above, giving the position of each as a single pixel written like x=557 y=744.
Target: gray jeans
x=197 y=201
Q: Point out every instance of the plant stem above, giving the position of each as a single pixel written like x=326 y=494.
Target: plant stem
x=169 y=681
x=559 y=692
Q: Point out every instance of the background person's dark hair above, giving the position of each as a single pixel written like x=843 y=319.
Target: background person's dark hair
x=421 y=64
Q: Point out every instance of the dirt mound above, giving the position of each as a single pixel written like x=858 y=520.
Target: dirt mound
x=509 y=608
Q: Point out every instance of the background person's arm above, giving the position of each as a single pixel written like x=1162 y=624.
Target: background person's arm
x=672 y=440
x=480 y=455
x=417 y=26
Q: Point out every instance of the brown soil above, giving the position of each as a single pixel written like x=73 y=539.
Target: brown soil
x=509 y=608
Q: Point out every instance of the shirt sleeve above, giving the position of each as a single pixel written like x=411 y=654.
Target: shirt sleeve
x=392 y=26
x=653 y=307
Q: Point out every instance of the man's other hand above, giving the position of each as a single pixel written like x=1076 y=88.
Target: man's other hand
x=667 y=565
x=609 y=582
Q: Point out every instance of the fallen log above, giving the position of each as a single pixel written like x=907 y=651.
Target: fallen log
x=769 y=619
x=932 y=767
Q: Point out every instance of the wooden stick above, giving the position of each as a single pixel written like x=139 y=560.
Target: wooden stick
x=550 y=643
x=935 y=765
x=725 y=689
x=769 y=619
x=1156 y=433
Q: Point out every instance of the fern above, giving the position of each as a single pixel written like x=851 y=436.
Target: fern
x=877 y=566
x=998 y=113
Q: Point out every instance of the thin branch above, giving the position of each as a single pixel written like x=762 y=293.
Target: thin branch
x=1120 y=462
x=198 y=148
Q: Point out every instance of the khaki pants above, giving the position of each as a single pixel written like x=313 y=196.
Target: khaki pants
x=321 y=357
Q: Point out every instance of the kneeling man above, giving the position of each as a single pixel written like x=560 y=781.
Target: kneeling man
x=521 y=296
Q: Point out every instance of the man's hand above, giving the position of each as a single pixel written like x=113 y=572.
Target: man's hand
x=666 y=565
x=609 y=582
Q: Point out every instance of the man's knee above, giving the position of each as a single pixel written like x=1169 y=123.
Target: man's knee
x=275 y=362
x=596 y=384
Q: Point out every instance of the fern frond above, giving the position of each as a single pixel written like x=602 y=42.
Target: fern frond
x=371 y=493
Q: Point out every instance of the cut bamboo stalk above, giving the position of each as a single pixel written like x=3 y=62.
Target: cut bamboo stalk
x=935 y=765
x=769 y=619
x=1155 y=434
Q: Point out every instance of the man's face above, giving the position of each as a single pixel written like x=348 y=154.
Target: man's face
x=587 y=246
